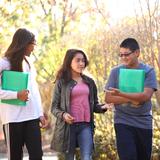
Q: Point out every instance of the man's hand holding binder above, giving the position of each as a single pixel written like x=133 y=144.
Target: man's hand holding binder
x=117 y=92
x=133 y=98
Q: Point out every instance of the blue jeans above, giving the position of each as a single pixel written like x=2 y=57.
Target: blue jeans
x=133 y=143
x=81 y=136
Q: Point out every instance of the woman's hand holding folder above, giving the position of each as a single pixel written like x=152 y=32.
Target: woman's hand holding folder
x=23 y=95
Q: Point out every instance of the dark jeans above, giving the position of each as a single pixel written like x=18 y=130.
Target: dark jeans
x=20 y=133
x=133 y=143
x=81 y=135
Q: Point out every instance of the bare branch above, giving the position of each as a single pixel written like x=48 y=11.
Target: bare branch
x=105 y=19
x=45 y=12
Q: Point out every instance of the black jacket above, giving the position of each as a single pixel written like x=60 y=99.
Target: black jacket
x=61 y=104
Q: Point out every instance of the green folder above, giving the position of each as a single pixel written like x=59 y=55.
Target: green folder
x=14 y=81
x=131 y=80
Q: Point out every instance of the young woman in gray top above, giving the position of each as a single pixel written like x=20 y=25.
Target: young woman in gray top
x=74 y=102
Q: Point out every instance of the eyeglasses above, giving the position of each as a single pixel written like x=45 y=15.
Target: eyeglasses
x=34 y=43
x=125 y=54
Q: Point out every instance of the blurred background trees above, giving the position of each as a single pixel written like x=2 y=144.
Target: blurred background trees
x=63 y=24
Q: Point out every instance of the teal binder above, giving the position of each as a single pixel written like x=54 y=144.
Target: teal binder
x=131 y=80
x=14 y=81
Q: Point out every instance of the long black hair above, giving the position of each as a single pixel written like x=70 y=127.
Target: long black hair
x=17 y=49
x=65 y=70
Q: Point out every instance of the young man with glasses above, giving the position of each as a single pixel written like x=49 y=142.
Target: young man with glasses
x=132 y=117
